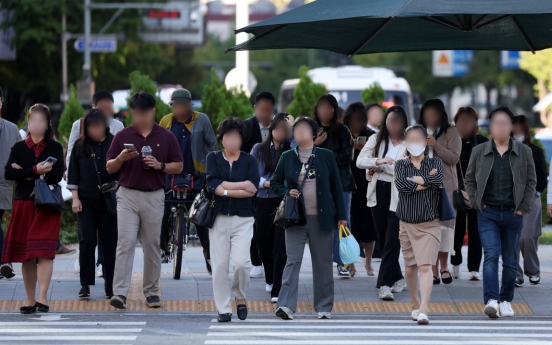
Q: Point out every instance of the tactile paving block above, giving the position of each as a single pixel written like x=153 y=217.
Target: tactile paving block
x=477 y=308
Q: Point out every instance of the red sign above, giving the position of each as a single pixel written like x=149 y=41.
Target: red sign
x=163 y=14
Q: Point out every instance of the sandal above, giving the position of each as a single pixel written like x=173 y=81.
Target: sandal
x=436 y=280
x=446 y=280
x=43 y=308
x=352 y=270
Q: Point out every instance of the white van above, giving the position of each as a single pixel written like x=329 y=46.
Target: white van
x=347 y=82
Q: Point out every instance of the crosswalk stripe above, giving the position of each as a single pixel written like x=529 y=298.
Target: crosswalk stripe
x=69 y=330
x=67 y=337
x=369 y=342
x=374 y=334
x=512 y=321
x=413 y=326
x=72 y=323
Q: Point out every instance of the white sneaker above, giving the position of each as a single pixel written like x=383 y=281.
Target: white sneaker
x=456 y=272
x=324 y=315
x=99 y=271
x=386 y=294
x=77 y=265
x=285 y=313
x=506 y=309
x=257 y=272
x=274 y=300
x=422 y=319
x=415 y=314
x=474 y=275
x=398 y=286
x=492 y=309
x=268 y=288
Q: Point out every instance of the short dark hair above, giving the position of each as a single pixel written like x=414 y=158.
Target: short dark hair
x=468 y=111
x=265 y=95
x=230 y=124
x=356 y=108
x=142 y=100
x=311 y=122
x=503 y=109
x=102 y=94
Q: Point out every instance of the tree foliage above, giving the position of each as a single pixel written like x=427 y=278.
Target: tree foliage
x=72 y=112
x=218 y=102
x=141 y=82
x=373 y=94
x=539 y=65
x=305 y=95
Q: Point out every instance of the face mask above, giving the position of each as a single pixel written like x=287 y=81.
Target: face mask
x=416 y=149
x=519 y=138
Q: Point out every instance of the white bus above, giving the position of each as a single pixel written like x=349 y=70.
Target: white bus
x=347 y=82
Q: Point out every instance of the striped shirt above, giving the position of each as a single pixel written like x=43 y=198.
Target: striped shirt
x=418 y=206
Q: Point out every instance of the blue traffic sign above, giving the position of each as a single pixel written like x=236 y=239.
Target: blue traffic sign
x=509 y=59
x=105 y=44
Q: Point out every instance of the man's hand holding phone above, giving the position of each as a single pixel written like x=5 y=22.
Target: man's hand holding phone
x=128 y=153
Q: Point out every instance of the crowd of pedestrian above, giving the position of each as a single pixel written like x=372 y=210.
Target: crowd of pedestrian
x=412 y=189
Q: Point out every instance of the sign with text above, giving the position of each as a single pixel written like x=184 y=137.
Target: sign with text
x=509 y=59
x=451 y=63
x=98 y=44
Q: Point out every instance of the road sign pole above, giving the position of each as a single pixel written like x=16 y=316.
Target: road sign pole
x=242 y=57
x=86 y=75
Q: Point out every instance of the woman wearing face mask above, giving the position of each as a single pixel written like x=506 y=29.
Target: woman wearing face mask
x=418 y=179
x=532 y=221
x=270 y=238
x=378 y=157
x=95 y=223
x=321 y=210
x=362 y=222
x=465 y=121
x=33 y=233
x=336 y=137
x=443 y=142
x=234 y=177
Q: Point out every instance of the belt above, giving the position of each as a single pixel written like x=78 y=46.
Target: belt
x=144 y=190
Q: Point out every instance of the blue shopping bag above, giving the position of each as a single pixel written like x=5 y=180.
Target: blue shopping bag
x=349 y=250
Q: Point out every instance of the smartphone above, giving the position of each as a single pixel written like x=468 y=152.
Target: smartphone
x=361 y=140
x=320 y=130
x=130 y=147
x=51 y=160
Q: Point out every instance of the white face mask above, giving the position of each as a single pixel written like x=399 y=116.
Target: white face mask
x=416 y=149
x=519 y=138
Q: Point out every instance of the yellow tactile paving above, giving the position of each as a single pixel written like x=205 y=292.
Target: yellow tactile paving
x=5 y=305
x=477 y=308
x=365 y=307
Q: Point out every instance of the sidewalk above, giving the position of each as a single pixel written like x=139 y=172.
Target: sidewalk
x=194 y=291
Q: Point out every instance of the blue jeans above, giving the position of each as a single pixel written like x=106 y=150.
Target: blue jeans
x=347 y=199
x=499 y=229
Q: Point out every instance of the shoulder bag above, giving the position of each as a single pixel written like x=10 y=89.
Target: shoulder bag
x=288 y=213
x=109 y=192
x=203 y=210
x=460 y=198
x=48 y=197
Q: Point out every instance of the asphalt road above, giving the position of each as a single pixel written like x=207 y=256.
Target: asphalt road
x=190 y=329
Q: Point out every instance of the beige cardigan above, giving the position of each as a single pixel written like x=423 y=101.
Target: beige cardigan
x=448 y=148
x=367 y=160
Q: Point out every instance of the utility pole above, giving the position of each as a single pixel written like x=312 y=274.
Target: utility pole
x=86 y=75
x=242 y=57
x=65 y=92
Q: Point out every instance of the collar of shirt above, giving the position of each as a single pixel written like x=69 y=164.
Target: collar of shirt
x=424 y=161
x=509 y=145
x=154 y=130
x=30 y=143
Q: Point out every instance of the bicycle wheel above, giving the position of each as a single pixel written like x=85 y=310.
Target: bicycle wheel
x=180 y=230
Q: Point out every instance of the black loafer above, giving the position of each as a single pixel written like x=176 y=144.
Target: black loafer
x=224 y=317
x=446 y=280
x=43 y=308
x=242 y=311
x=84 y=291
x=436 y=280
x=27 y=309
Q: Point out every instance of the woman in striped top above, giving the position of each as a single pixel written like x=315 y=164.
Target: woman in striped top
x=418 y=179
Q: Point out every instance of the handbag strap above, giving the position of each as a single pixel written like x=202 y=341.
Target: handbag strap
x=96 y=166
x=310 y=163
x=462 y=175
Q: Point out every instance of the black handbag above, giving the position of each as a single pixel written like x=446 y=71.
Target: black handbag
x=203 y=211
x=460 y=199
x=48 y=197
x=287 y=214
x=109 y=196
x=446 y=211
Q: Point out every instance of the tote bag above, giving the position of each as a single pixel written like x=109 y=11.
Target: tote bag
x=446 y=211
x=48 y=197
x=349 y=250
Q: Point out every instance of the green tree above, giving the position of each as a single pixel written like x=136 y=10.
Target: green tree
x=305 y=95
x=373 y=94
x=141 y=82
x=72 y=112
x=218 y=102
x=539 y=65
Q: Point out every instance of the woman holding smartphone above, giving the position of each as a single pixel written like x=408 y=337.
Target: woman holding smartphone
x=362 y=223
x=336 y=137
x=86 y=165
x=33 y=232
x=378 y=158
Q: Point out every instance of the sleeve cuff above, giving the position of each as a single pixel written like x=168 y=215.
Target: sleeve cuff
x=261 y=182
x=35 y=170
x=72 y=187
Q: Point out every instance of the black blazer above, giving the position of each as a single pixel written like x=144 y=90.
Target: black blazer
x=253 y=134
x=22 y=155
x=540 y=167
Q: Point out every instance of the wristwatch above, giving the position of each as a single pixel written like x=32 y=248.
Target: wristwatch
x=225 y=194
x=410 y=177
x=163 y=166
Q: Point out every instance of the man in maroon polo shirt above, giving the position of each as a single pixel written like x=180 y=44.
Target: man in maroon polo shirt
x=140 y=199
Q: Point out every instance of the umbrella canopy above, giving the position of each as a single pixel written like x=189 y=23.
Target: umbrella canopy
x=369 y=26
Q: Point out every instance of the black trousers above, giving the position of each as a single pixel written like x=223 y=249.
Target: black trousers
x=475 y=250
x=202 y=233
x=254 y=252
x=99 y=258
x=271 y=243
x=96 y=224
x=387 y=229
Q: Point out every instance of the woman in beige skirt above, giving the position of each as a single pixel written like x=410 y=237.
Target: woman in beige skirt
x=418 y=179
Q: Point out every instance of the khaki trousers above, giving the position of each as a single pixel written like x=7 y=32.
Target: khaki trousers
x=144 y=211
x=230 y=240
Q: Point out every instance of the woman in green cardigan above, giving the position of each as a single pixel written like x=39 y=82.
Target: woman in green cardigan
x=322 y=209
